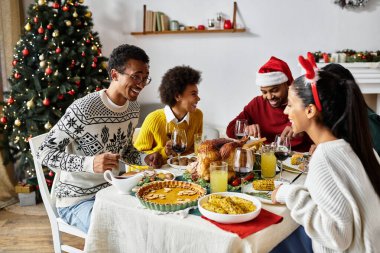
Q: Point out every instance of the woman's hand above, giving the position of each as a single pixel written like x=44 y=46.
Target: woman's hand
x=169 y=148
x=273 y=196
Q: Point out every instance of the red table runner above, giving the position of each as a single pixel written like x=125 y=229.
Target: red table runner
x=263 y=220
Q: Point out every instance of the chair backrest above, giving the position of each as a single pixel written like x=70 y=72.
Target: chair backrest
x=49 y=200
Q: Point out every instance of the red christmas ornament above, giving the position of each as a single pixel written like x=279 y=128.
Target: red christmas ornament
x=4 y=120
x=99 y=51
x=95 y=59
x=46 y=37
x=58 y=50
x=83 y=54
x=77 y=82
x=88 y=41
x=49 y=26
x=41 y=30
x=35 y=19
x=93 y=65
x=14 y=63
x=65 y=8
x=98 y=89
x=46 y=102
x=10 y=100
x=48 y=71
x=17 y=75
x=60 y=96
x=71 y=92
x=55 y=5
x=25 y=52
x=51 y=173
x=76 y=4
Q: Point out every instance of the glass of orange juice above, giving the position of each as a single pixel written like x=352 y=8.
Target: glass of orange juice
x=268 y=162
x=218 y=176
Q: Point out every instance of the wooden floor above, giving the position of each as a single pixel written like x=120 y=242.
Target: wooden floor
x=27 y=233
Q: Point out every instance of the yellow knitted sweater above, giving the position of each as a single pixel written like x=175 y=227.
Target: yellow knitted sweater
x=152 y=136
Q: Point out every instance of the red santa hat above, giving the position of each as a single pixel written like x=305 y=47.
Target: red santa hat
x=274 y=72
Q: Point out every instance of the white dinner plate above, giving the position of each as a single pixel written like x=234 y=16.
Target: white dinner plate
x=288 y=166
x=263 y=196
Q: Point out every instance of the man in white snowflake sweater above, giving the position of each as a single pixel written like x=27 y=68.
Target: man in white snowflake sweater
x=94 y=133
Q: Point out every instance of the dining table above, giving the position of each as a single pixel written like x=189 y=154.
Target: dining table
x=120 y=223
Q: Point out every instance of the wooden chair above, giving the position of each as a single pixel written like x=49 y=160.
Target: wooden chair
x=57 y=224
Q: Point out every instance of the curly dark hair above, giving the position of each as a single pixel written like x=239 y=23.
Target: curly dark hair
x=122 y=54
x=175 y=81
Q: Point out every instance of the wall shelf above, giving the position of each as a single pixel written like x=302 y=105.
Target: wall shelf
x=233 y=30
x=191 y=31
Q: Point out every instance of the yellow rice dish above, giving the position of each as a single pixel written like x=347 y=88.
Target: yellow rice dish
x=228 y=205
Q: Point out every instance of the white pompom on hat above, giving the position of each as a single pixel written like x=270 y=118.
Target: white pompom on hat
x=274 y=72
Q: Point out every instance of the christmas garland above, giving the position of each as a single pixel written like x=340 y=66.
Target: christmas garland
x=349 y=55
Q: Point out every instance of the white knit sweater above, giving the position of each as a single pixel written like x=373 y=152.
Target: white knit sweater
x=337 y=206
x=91 y=125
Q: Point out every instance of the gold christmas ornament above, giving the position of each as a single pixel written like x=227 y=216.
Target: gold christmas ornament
x=41 y=2
x=17 y=122
x=94 y=48
x=55 y=33
x=27 y=27
x=17 y=139
x=68 y=23
x=75 y=14
x=88 y=14
x=30 y=104
x=81 y=1
x=103 y=64
x=47 y=125
x=42 y=64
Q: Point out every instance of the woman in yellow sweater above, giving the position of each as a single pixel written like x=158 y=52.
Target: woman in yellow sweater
x=179 y=93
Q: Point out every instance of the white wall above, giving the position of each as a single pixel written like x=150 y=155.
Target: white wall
x=229 y=61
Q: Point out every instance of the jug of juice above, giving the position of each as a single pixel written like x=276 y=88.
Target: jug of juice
x=268 y=162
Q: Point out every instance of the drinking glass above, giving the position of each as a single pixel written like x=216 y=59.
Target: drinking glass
x=169 y=129
x=218 y=176
x=282 y=151
x=197 y=142
x=268 y=162
x=179 y=141
x=243 y=164
x=240 y=127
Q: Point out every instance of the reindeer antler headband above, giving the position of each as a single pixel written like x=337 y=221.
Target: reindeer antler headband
x=310 y=66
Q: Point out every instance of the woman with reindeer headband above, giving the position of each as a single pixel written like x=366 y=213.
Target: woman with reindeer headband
x=337 y=204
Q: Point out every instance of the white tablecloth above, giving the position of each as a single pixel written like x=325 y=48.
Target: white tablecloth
x=119 y=224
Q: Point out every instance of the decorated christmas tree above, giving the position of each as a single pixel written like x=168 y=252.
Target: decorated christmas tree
x=57 y=60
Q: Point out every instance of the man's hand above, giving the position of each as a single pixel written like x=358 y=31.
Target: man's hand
x=253 y=130
x=105 y=161
x=169 y=148
x=154 y=160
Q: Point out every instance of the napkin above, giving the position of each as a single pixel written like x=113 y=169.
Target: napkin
x=263 y=220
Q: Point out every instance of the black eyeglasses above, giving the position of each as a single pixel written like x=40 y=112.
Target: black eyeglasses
x=139 y=79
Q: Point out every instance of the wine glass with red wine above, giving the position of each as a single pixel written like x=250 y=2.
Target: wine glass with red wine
x=240 y=127
x=282 y=151
x=243 y=167
x=179 y=141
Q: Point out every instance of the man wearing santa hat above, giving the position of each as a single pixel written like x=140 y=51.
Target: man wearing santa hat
x=265 y=114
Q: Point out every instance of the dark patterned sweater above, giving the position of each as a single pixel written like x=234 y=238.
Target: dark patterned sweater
x=91 y=125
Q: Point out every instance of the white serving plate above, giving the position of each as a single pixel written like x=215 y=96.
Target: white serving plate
x=179 y=167
x=230 y=218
